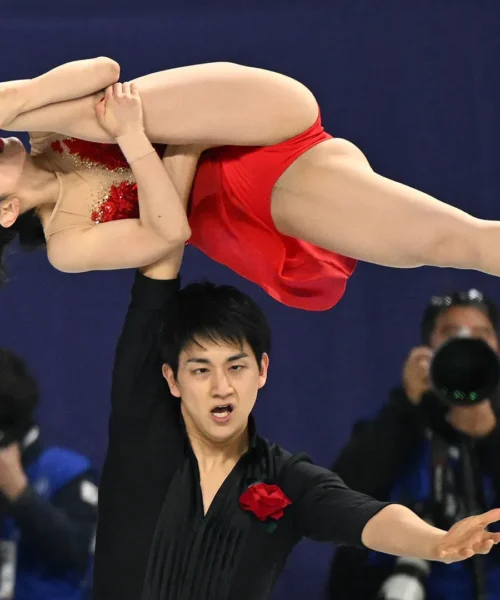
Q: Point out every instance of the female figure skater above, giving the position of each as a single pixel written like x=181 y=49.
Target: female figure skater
x=66 y=192
x=275 y=197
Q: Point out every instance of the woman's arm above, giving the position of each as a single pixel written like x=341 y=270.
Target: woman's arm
x=125 y=244
x=128 y=243
x=163 y=191
x=67 y=82
x=163 y=225
x=160 y=208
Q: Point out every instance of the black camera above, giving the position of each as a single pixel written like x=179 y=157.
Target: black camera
x=464 y=371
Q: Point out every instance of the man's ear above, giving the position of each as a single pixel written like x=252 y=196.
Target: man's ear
x=264 y=367
x=168 y=373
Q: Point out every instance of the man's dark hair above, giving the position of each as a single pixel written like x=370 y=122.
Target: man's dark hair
x=18 y=396
x=219 y=313
x=440 y=304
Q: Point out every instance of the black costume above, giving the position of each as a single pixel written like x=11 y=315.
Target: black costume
x=153 y=538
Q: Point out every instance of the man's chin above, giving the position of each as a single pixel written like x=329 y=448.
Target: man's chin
x=225 y=433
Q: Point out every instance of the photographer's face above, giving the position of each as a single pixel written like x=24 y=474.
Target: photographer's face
x=478 y=420
x=452 y=321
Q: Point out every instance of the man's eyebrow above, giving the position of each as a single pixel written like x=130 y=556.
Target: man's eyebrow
x=206 y=361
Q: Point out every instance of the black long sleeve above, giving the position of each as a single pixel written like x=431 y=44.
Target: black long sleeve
x=325 y=508
x=379 y=449
x=142 y=448
x=60 y=531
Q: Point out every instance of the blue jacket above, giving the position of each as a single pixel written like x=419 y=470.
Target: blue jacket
x=49 y=530
x=445 y=582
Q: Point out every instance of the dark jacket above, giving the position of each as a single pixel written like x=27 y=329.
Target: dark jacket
x=374 y=459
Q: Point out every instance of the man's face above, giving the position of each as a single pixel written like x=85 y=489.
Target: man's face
x=218 y=385
x=452 y=321
x=478 y=420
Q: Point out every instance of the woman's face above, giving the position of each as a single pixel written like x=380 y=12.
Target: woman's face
x=12 y=157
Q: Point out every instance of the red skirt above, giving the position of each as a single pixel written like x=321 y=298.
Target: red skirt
x=230 y=219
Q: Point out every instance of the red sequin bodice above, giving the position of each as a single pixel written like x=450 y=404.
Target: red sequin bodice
x=110 y=190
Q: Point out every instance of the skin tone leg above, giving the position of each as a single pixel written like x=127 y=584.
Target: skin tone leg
x=213 y=104
x=333 y=199
x=329 y=197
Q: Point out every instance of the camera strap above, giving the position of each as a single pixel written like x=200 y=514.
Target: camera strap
x=447 y=504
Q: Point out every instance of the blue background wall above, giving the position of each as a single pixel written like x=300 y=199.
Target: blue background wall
x=415 y=84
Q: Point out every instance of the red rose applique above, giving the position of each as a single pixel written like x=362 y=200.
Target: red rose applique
x=265 y=501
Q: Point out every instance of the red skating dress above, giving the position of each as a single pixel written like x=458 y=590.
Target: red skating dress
x=229 y=213
x=230 y=218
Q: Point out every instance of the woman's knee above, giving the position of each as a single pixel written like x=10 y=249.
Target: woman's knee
x=283 y=95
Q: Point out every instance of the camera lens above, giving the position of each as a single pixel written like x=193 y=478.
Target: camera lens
x=465 y=371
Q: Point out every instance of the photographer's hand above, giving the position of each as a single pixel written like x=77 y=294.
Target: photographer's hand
x=13 y=480
x=416 y=373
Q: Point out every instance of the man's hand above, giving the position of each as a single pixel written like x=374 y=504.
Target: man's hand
x=399 y=531
x=13 y=480
x=416 y=373
x=467 y=537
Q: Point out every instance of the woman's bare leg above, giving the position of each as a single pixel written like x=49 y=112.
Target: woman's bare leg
x=333 y=199
x=225 y=103
x=214 y=104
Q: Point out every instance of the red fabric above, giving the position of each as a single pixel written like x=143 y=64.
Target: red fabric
x=265 y=501
x=230 y=218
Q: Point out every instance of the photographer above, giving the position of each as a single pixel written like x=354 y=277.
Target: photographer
x=412 y=452
x=48 y=501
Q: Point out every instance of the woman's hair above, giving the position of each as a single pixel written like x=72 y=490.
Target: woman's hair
x=28 y=228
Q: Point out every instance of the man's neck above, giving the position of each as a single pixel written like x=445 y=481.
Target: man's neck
x=213 y=455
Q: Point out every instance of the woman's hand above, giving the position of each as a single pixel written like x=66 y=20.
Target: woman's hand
x=120 y=111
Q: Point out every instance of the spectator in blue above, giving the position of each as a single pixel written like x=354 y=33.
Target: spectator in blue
x=48 y=500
